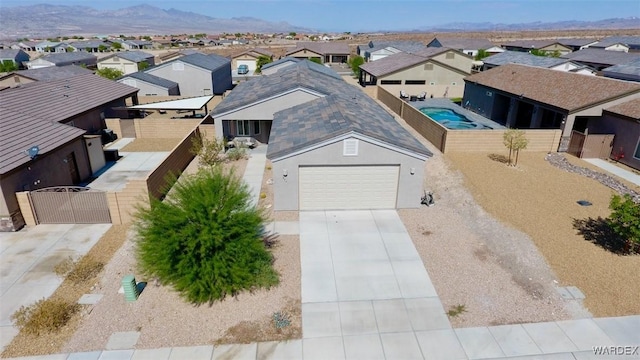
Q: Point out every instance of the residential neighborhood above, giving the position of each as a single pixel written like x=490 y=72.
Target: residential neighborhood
x=313 y=194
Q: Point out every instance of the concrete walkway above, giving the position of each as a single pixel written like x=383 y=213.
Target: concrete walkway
x=255 y=171
x=615 y=170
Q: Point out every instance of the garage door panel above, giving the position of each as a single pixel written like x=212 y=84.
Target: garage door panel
x=348 y=187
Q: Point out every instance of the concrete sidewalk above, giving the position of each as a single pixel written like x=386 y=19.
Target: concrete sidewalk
x=615 y=170
x=254 y=171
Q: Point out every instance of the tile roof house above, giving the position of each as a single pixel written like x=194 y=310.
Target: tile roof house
x=525 y=97
x=601 y=58
x=517 y=57
x=376 y=50
x=62 y=59
x=150 y=85
x=326 y=52
x=622 y=120
x=629 y=71
x=137 y=44
x=51 y=117
x=51 y=46
x=127 y=61
x=21 y=77
x=469 y=46
x=89 y=45
x=619 y=43
x=16 y=56
x=434 y=70
x=541 y=45
x=273 y=67
x=576 y=44
x=197 y=74
x=249 y=58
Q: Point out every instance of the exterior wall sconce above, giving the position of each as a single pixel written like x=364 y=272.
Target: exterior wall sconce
x=284 y=172
x=412 y=171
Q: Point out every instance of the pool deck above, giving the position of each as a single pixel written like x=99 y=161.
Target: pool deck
x=447 y=104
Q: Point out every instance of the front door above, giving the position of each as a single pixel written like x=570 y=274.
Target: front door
x=73 y=168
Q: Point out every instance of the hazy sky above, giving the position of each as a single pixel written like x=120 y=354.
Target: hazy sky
x=368 y=15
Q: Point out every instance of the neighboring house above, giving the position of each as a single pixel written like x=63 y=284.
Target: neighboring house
x=600 y=58
x=467 y=46
x=524 y=97
x=376 y=50
x=26 y=45
x=249 y=58
x=50 y=46
x=435 y=70
x=63 y=59
x=52 y=116
x=89 y=45
x=325 y=52
x=619 y=43
x=17 y=57
x=248 y=110
x=516 y=57
x=197 y=74
x=126 y=61
x=137 y=44
x=628 y=71
x=150 y=85
x=273 y=67
x=622 y=120
x=576 y=44
x=22 y=77
x=550 y=46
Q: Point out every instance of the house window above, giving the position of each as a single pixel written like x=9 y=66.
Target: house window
x=350 y=147
x=243 y=127
x=177 y=66
x=636 y=154
x=428 y=66
x=256 y=127
x=451 y=55
x=415 y=82
x=391 y=82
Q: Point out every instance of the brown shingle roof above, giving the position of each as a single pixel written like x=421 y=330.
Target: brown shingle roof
x=57 y=100
x=564 y=90
x=630 y=108
x=258 y=51
x=323 y=48
x=399 y=61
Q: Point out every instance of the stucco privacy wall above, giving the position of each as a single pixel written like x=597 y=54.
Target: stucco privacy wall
x=157 y=128
x=409 y=186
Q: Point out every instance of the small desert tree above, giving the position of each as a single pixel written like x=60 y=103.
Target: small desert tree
x=355 y=63
x=482 y=53
x=210 y=152
x=515 y=140
x=110 y=73
x=205 y=239
x=262 y=61
x=625 y=220
x=142 y=65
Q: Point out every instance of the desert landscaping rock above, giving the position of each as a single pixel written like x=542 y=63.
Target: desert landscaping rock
x=90 y=299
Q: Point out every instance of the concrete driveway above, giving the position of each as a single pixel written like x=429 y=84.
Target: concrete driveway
x=27 y=259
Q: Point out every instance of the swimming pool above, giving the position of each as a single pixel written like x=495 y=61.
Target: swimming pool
x=451 y=119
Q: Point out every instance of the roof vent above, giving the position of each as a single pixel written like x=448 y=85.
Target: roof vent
x=33 y=151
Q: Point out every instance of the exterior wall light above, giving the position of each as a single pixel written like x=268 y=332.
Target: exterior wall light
x=412 y=171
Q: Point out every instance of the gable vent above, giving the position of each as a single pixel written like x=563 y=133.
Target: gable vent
x=350 y=147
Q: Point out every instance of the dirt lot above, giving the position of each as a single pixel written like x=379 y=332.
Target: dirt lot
x=541 y=200
x=151 y=144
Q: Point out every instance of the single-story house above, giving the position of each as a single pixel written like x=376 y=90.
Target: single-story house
x=150 y=85
x=517 y=57
x=16 y=56
x=528 y=97
x=127 y=61
x=41 y=135
x=247 y=111
x=137 y=44
x=469 y=46
x=273 y=67
x=600 y=58
x=25 y=45
x=249 y=58
x=619 y=43
x=622 y=120
x=364 y=160
x=628 y=71
x=549 y=46
x=63 y=59
x=21 y=77
x=89 y=45
x=436 y=70
x=197 y=74
x=326 y=52
x=51 y=46
x=576 y=44
x=376 y=50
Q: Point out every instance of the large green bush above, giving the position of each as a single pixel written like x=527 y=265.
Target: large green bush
x=205 y=239
x=625 y=220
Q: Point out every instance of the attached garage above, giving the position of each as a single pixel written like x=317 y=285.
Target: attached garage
x=251 y=64
x=348 y=187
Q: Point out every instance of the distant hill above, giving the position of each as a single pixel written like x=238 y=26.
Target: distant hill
x=45 y=20
x=606 y=24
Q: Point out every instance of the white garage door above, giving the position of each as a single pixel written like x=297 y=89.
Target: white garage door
x=250 y=63
x=348 y=187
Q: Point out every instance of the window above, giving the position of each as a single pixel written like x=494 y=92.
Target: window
x=243 y=127
x=256 y=127
x=415 y=82
x=428 y=66
x=451 y=55
x=177 y=66
x=636 y=154
x=350 y=147
x=391 y=82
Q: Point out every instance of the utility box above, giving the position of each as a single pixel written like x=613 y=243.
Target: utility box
x=130 y=288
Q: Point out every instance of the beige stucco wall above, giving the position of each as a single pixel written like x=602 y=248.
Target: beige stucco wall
x=556 y=47
x=303 y=53
x=459 y=61
x=15 y=80
x=124 y=65
x=249 y=56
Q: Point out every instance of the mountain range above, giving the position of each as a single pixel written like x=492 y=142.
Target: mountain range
x=44 y=20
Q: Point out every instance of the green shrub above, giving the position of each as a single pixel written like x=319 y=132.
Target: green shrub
x=625 y=220
x=205 y=239
x=208 y=151
x=44 y=316
x=236 y=153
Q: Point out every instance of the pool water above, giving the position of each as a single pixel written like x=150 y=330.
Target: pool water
x=451 y=119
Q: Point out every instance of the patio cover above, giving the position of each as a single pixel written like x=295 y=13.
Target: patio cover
x=195 y=103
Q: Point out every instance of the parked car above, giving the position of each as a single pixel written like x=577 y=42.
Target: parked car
x=243 y=69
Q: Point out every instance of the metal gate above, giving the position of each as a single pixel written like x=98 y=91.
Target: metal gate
x=70 y=205
x=590 y=146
